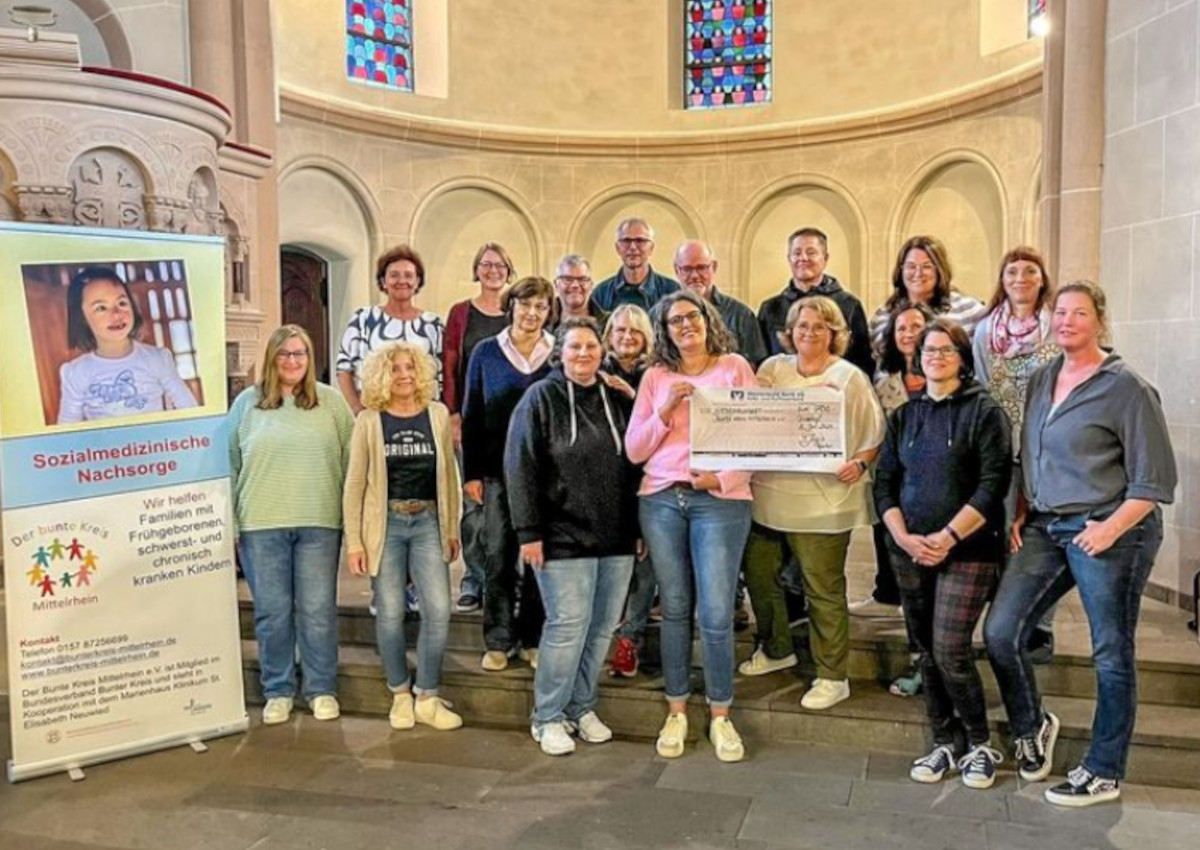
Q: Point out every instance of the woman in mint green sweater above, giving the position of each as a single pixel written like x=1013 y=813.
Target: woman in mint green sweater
x=289 y=445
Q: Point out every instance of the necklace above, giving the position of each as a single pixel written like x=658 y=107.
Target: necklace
x=708 y=361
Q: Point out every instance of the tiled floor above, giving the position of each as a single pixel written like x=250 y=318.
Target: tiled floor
x=355 y=783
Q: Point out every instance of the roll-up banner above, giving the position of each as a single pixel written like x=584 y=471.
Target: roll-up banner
x=119 y=574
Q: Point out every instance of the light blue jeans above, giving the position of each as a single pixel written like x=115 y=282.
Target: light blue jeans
x=583 y=599
x=696 y=541
x=292 y=573
x=412 y=548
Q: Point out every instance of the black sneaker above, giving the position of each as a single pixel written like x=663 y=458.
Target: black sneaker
x=931 y=768
x=1083 y=788
x=1035 y=753
x=1041 y=646
x=979 y=766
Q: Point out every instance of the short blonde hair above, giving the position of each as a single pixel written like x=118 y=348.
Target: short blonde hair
x=377 y=374
x=831 y=315
x=638 y=318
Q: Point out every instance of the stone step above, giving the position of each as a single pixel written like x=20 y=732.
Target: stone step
x=878 y=653
x=1166 y=744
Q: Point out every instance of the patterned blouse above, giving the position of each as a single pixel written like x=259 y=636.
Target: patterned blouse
x=1007 y=377
x=371 y=327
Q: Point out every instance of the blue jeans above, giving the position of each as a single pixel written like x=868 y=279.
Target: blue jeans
x=641 y=599
x=696 y=541
x=292 y=573
x=473 y=552
x=583 y=599
x=1110 y=587
x=412 y=548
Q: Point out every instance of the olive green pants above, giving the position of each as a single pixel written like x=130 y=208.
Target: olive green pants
x=822 y=560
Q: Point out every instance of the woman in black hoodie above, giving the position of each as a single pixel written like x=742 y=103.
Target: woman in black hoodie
x=572 y=496
x=943 y=472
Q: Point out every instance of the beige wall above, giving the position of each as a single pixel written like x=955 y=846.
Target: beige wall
x=970 y=180
x=567 y=64
x=133 y=35
x=1150 y=253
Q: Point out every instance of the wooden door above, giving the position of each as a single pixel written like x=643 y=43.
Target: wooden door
x=304 y=295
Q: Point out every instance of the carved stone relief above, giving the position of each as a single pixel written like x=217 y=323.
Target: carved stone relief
x=108 y=190
x=45 y=204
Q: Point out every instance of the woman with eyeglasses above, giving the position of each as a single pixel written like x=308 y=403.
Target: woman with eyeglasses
x=469 y=323
x=502 y=368
x=628 y=340
x=939 y=487
x=400 y=275
x=922 y=275
x=813 y=513
x=573 y=497
x=694 y=522
x=402 y=504
x=289 y=444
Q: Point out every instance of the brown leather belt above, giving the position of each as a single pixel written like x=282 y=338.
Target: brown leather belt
x=411 y=506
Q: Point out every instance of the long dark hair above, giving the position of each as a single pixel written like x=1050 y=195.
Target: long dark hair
x=717 y=338
x=79 y=332
x=893 y=358
x=941 y=265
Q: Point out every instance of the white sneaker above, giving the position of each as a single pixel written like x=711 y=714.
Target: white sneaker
x=591 y=728
x=553 y=738
x=494 y=660
x=873 y=610
x=277 y=710
x=727 y=743
x=436 y=712
x=672 y=736
x=401 y=716
x=529 y=656
x=825 y=693
x=760 y=664
x=325 y=707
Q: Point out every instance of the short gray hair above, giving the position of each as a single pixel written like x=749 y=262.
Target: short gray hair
x=573 y=260
x=625 y=223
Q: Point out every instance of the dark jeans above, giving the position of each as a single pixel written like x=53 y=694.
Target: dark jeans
x=941 y=607
x=512 y=606
x=1110 y=586
x=886 y=590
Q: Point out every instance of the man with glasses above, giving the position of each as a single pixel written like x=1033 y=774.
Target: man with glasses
x=573 y=284
x=808 y=255
x=635 y=282
x=697 y=269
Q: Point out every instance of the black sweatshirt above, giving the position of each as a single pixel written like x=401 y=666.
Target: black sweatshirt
x=569 y=482
x=941 y=455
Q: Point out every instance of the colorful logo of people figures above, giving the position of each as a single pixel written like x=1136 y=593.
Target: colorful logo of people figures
x=62 y=566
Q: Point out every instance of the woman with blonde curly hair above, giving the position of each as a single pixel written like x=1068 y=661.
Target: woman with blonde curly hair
x=289 y=440
x=403 y=505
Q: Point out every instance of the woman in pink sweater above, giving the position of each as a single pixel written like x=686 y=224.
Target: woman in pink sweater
x=695 y=523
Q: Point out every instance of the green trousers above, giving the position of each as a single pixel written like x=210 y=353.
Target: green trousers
x=822 y=560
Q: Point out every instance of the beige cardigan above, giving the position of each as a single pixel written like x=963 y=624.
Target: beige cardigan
x=364 y=500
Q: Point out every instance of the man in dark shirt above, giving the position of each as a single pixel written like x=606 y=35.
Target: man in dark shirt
x=635 y=282
x=808 y=254
x=697 y=269
x=573 y=285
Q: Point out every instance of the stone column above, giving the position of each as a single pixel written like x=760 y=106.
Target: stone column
x=1073 y=133
x=210 y=27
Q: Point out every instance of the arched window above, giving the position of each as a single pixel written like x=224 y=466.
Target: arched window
x=727 y=53
x=379 y=39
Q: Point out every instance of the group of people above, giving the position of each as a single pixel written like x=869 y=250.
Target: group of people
x=1001 y=453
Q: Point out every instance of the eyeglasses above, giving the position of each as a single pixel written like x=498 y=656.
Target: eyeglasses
x=575 y=280
x=939 y=351
x=291 y=355
x=628 y=241
x=493 y=267
x=695 y=317
x=805 y=329
x=923 y=268
x=688 y=271
x=539 y=307
x=808 y=254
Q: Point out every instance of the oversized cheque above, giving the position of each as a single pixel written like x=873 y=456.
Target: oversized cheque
x=799 y=430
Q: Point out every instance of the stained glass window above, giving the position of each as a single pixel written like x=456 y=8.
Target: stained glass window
x=727 y=53
x=379 y=42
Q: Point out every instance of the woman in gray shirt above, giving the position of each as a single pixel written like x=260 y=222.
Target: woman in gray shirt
x=1096 y=465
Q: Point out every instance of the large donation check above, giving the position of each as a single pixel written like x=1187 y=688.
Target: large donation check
x=798 y=430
